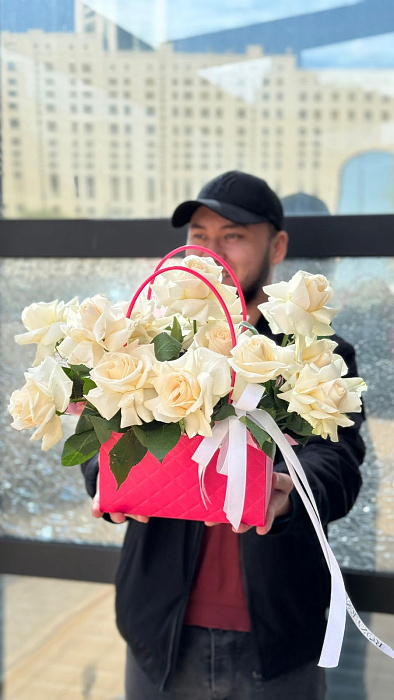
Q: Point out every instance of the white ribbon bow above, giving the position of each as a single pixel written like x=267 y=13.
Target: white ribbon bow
x=230 y=435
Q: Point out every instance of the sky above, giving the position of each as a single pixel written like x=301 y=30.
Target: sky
x=182 y=18
x=156 y=21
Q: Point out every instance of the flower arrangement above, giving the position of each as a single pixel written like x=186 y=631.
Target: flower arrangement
x=165 y=367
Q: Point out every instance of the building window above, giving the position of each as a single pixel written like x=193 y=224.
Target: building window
x=129 y=188
x=14 y=123
x=150 y=189
x=54 y=183
x=114 y=183
x=90 y=187
x=11 y=65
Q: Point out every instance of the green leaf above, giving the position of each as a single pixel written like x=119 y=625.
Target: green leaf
x=249 y=327
x=88 y=384
x=80 y=447
x=158 y=438
x=166 y=347
x=269 y=447
x=127 y=452
x=264 y=441
x=104 y=428
x=225 y=410
x=298 y=425
x=176 y=330
x=258 y=433
x=84 y=422
x=80 y=370
x=101 y=428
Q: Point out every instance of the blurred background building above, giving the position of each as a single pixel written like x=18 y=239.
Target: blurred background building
x=98 y=123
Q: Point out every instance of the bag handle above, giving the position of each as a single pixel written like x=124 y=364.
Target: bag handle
x=195 y=274
x=218 y=259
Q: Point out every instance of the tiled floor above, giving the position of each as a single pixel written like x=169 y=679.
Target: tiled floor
x=61 y=644
x=60 y=641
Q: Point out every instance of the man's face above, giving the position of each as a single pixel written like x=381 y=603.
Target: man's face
x=250 y=250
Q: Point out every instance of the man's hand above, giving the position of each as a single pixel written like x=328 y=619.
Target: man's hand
x=279 y=504
x=115 y=517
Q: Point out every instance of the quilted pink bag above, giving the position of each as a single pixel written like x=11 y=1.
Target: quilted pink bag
x=171 y=488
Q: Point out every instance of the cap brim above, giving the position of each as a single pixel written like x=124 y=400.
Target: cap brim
x=185 y=211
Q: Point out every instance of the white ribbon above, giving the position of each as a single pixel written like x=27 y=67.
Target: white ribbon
x=230 y=435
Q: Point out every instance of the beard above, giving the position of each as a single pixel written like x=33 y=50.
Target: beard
x=253 y=288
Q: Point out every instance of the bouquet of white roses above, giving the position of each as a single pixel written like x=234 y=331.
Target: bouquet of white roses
x=164 y=368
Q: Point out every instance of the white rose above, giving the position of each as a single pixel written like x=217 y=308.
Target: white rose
x=43 y=321
x=257 y=359
x=92 y=328
x=298 y=306
x=146 y=322
x=322 y=397
x=123 y=382
x=319 y=353
x=182 y=293
x=47 y=390
x=188 y=389
x=215 y=336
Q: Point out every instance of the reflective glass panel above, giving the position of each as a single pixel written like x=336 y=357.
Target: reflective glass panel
x=43 y=500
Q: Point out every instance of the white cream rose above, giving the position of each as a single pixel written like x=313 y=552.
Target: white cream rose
x=188 y=389
x=123 y=382
x=298 y=306
x=146 y=321
x=318 y=353
x=47 y=390
x=322 y=396
x=43 y=321
x=257 y=359
x=215 y=336
x=92 y=328
x=182 y=293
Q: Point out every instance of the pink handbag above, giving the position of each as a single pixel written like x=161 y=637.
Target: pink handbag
x=171 y=488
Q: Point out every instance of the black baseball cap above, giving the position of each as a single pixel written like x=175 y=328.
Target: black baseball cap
x=237 y=196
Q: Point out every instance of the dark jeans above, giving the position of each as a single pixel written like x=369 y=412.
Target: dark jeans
x=220 y=665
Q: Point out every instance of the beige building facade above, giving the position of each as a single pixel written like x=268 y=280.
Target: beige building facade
x=91 y=131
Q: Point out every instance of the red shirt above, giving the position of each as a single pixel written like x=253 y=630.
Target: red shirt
x=217 y=598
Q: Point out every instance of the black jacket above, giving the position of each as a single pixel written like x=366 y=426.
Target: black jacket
x=286 y=577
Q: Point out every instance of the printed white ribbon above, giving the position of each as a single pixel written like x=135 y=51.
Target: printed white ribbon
x=230 y=435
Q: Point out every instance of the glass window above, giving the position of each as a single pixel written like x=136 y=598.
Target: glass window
x=49 y=501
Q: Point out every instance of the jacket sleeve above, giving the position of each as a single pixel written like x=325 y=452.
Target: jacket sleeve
x=332 y=468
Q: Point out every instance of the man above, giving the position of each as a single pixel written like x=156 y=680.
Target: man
x=208 y=613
